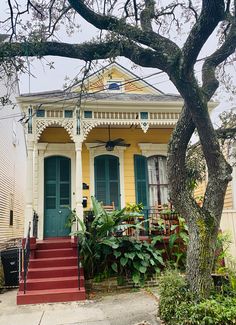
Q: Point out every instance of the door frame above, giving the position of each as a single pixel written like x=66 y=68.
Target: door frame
x=45 y=150
x=118 y=152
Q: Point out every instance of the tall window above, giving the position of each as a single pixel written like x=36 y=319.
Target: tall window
x=157 y=180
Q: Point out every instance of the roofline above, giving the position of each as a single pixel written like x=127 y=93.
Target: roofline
x=126 y=70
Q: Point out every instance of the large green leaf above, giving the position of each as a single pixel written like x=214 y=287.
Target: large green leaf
x=130 y=255
x=172 y=240
x=136 y=277
x=160 y=260
x=156 y=239
x=142 y=269
x=140 y=255
x=114 y=267
x=117 y=254
x=110 y=243
x=123 y=261
x=136 y=264
x=152 y=262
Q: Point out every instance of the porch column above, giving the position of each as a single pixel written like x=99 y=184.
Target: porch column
x=29 y=188
x=78 y=180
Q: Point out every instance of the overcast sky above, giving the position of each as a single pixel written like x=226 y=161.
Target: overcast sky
x=43 y=78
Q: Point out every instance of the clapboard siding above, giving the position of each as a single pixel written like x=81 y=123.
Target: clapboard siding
x=228 y=224
x=12 y=174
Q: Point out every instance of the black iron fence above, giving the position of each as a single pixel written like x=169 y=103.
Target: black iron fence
x=26 y=255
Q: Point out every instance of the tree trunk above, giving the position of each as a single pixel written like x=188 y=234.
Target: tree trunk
x=203 y=222
x=200 y=257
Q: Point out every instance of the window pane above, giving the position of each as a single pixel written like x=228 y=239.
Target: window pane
x=64 y=170
x=50 y=189
x=50 y=169
x=65 y=201
x=68 y=113
x=157 y=179
x=64 y=190
x=50 y=203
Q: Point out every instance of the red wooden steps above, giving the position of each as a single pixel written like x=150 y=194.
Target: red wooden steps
x=52 y=274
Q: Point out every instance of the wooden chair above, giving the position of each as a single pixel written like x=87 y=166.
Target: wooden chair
x=109 y=208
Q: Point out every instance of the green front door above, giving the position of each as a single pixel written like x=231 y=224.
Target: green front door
x=107 y=180
x=57 y=189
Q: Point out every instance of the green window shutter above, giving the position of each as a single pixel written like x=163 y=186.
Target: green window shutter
x=141 y=179
x=107 y=182
x=100 y=178
x=114 y=190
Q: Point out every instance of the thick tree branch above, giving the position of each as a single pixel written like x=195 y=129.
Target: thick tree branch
x=211 y=14
x=165 y=48
x=147 y=15
x=85 y=51
x=177 y=166
x=210 y=82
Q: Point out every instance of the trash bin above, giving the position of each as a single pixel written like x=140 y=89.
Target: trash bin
x=10 y=263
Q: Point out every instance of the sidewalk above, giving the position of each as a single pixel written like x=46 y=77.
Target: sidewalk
x=115 y=309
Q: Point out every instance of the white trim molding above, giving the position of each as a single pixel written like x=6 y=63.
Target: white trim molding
x=153 y=149
x=117 y=152
x=46 y=150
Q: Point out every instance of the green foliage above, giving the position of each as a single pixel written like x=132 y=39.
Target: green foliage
x=133 y=207
x=217 y=310
x=175 y=247
x=177 y=306
x=195 y=166
x=105 y=254
x=70 y=219
x=173 y=291
x=222 y=250
x=133 y=259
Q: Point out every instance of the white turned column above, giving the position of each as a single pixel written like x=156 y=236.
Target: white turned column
x=41 y=154
x=78 y=180
x=29 y=187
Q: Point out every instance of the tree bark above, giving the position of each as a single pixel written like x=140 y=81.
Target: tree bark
x=200 y=256
x=203 y=222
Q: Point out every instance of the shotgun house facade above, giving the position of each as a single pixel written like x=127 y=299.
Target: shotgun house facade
x=12 y=166
x=105 y=138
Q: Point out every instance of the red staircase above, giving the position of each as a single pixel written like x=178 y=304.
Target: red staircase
x=52 y=274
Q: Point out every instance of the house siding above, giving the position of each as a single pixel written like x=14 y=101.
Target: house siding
x=132 y=136
x=12 y=174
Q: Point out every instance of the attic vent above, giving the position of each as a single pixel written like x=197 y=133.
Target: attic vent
x=113 y=85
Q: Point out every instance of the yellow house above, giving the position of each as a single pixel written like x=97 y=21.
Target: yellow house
x=106 y=137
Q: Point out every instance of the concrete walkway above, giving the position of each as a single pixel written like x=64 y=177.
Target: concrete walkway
x=116 y=309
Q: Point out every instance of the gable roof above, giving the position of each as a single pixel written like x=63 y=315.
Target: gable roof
x=132 y=82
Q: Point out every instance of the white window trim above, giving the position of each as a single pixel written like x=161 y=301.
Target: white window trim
x=118 y=152
x=153 y=149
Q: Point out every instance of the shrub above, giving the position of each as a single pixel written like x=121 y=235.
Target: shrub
x=173 y=291
x=218 y=310
x=177 y=306
x=104 y=254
